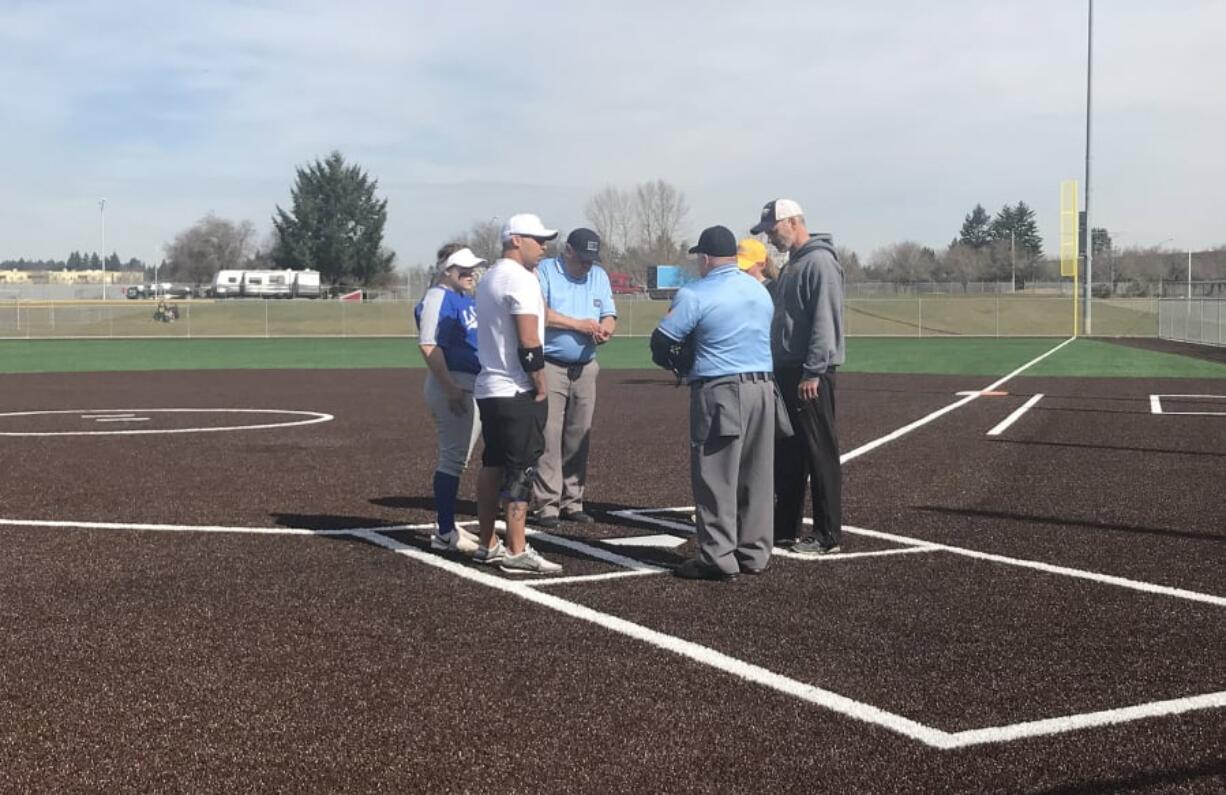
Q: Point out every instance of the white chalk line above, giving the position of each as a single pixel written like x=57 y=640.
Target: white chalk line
x=1067 y=571
x=122 y=419
x=1086 y=720
x=706 y=656
x=313 y=418
x=1155 y=406
x=818 y=696
x=581 y=578
x=1015 y=416
x=903 y=431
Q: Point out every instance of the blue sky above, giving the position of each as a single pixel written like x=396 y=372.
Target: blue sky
x=888 y=121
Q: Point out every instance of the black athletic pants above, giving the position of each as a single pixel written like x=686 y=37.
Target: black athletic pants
x=810 y=454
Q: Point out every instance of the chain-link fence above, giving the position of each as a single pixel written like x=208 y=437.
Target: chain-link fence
x=1200 y=320
x=915 y=316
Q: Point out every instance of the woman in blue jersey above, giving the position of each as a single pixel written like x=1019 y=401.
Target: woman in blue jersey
x=447 y=327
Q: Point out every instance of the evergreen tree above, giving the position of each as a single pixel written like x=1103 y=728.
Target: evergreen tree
x=1017 y=226
x=95 y=264
x=74 y=261
x=975 y=232
x=1102 y=241
x=335 y=225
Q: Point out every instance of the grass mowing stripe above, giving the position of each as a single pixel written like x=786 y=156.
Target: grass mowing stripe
x=939 y=356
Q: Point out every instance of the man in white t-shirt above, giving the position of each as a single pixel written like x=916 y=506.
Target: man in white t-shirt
x=511 y=393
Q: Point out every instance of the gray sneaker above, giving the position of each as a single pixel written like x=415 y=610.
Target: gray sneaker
x=490 y=555
x=812 y=548
x=528 y=562
x=458 y=540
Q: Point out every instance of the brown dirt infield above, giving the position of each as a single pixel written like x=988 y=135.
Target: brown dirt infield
x=176 y=660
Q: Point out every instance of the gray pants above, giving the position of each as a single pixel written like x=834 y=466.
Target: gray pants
x=562 y=470
x=457 y=433
x=732 y=453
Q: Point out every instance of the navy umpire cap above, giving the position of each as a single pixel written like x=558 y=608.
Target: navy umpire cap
x=716 y=241
x=586 y=244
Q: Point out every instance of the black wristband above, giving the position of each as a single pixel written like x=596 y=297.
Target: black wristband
x=532 y=359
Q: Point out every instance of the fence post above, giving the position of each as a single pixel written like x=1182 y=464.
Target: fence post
x=188 y=311
x=265 y=300
x=998 y=316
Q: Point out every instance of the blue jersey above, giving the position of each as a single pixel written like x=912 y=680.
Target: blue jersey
x=728 y=315
x=589 y=299
x=448 y=320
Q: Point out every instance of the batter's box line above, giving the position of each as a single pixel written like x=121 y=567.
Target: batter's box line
x=648 y=516
x=857 y=710
x=755 y=674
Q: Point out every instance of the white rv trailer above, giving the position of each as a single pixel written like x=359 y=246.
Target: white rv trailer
x=266 y=284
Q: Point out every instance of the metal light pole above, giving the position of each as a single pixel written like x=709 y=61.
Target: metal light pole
x=102 y=211
x=1189 y=282
x=1013 y=260
x=1089 y=227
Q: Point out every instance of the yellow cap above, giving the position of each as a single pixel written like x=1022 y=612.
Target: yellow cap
x=749 y=252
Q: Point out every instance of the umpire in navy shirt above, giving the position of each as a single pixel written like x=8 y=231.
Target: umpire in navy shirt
x=726 y=317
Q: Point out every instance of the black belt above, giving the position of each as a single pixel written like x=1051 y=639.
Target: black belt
x=742 y=377
x=574 y=370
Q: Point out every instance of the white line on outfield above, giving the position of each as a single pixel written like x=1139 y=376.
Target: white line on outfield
x=1068 y=723
x=866 y=713
x=903 y=431
x=1015 y=416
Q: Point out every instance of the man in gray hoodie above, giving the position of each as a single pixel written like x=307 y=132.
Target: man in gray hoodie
x=807 y=347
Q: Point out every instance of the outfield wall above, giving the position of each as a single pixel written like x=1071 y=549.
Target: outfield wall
x=917 y=316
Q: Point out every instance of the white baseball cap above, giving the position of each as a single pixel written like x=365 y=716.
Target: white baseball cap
x=774 y=212
x=464 y=258
x=527 y=225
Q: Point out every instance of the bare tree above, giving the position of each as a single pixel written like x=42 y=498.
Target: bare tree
x=484 y=238
x=904 y=262
x=211 y=245
x=612 y=213
x=853 y=271
x=660 y=209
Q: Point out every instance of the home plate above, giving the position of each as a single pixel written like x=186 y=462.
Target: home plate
x=664 y=540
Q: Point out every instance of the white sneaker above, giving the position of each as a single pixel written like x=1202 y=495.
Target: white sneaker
x=458 y=540
x=488 y=555
x=528 y=562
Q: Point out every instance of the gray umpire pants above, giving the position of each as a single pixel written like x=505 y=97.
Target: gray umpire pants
x=562 y=470
x=732 y=455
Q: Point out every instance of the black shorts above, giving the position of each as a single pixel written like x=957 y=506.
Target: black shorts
x=513 y=429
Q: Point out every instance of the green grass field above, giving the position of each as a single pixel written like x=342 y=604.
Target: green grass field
x=916 y=316
x=952 y=356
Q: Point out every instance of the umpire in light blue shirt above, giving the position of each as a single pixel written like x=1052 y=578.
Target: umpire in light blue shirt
x=579 y=316
x=725 y=318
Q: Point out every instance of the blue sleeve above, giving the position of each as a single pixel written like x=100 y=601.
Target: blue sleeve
x=682 y=316
x=544 y=280
x=607 y=307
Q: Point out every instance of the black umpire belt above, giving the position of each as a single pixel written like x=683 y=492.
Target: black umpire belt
x=574 y=370
x=742 y=377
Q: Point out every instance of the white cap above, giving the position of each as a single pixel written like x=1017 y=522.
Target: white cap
x=464 y=258
x=527 y=225
x=775 y=211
